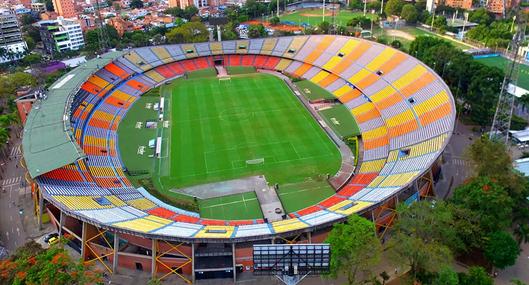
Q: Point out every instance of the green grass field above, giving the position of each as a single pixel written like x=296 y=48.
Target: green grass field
x=314 y=16
x=312 y=91
x=501 y=62
x=235 y=70
x=339 y=118
x=216 y=127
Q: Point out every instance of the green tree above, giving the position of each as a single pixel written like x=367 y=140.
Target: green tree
x=256 y=31
x=139 y=38
x=191 y=32
x=409 y=13
x=362 y=21
x=374 y=5
x=49 y=5
x=27 y=19
x=501 y=249
x=394 y=7
x=480 y=16
x=324 y=27
x=446 y=276
x=30 y=43
x=356 y=4
x=32 y=58
x=138 y=4
x=488 y=200
x=355 y=249
x=476 y=276
x=189 y=12
x=274 y=20
x=422 y=237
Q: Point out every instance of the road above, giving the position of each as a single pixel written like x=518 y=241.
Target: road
x=17 y=223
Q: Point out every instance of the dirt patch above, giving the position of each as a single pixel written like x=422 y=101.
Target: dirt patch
x=400 y=34
x=315 y=15
x=280 y=27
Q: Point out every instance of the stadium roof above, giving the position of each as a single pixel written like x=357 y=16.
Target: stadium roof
x=48 y=142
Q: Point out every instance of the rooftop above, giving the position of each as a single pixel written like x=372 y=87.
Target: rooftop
x=47 y=140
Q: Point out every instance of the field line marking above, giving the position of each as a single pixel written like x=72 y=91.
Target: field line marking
x=224 y=204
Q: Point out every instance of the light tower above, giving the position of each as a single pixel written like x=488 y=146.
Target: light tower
x=102 y=32
x=503 y=115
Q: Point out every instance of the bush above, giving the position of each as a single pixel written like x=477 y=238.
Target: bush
x=184 y=204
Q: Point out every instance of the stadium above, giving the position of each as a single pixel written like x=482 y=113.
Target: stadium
x=236 y=154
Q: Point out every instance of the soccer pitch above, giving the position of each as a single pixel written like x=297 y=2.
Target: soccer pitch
x=219 y=130
x=501 y=62
x=315 y=16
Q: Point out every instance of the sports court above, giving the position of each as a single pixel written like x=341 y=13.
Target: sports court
x=220 y=130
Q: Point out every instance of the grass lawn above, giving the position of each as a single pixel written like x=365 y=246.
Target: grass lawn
x=501 y=62
x=135 y=138
x=216 y=127
x=314 y=16
x=312 y=91
x=339 y=118
x=231 y=207
x=201 y=73
x=414 y=31
x=235 y=70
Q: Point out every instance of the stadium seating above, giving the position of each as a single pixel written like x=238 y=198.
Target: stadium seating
x=404 y=111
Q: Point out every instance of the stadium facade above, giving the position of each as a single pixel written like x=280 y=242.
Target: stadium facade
x=405 y=112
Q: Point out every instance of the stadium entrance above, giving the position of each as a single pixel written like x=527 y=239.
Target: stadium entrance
x=214 y=261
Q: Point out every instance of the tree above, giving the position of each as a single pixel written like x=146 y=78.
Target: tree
x=362 y=21
x=138 y=4
x=356 y=4
x=32 y=58
x=409 y=13
x=189 y=12
x=256 y=31
x=446 y=276
x=274 y=20
x=191 y=32
x=49 y=5
x=480 y=16
x=33 y=265
x=501 y=249
x=30 y=43
x=27 y=19
x=374 y=5
x=422 y=237
x=394 y=7
x=488 y=200
x=476 y=276
x=355 y=249
x=139 y=38
x=324 y=27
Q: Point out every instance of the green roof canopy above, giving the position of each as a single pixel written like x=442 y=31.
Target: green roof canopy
x=48 y=142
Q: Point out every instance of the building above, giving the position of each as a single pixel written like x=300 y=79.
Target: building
x=497 y=6
x=10 y=37
x=38 y=7
x=65 y=8
x=184 y=3
x=61 y=35
x=121 y=25
x=462 y=4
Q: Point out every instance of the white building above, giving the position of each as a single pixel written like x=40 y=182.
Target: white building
x=12 y=45
x=61 y=35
